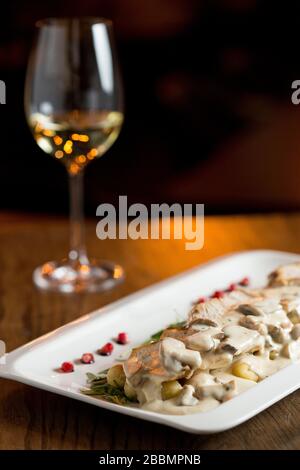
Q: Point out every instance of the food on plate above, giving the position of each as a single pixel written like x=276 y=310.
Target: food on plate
x=228 y=344
x=116 y=376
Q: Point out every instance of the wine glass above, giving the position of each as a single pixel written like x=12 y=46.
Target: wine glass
x=74 y=107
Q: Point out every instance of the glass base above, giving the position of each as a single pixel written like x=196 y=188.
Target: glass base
x=68 y=277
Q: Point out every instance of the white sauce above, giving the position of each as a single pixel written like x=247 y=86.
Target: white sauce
x=171 y=406
x=205 y=356
x=175 y=356
x=240 y=339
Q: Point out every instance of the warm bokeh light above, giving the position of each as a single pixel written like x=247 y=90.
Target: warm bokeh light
x=74 y=168
x=81 y=159
x=92 y=154
x=84 y=269
x=84 y=138
x=59 y=154
x=118 y=272
x=80 y=137
x=68 y=147
x=57 y=140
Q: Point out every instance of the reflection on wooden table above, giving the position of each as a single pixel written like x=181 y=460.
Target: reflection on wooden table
x=33 y=419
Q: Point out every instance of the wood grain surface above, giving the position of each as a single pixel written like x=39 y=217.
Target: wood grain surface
x=34 y=419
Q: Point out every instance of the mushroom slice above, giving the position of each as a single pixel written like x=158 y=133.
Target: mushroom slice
x=240 y=340
x=260 y=308
x=221 y=392
x=285 y=276
x=292 y=309
x=294 y=316
x=295 y=333
x=254 y=323
x=278 y=334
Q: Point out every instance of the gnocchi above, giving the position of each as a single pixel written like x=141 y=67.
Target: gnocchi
x=170 y=389
x=243 y=370
x=116 y=376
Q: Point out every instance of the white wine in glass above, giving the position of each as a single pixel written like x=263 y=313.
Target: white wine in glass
x=74 y=107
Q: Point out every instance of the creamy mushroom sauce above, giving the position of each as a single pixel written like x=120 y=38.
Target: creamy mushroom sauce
x=227 y=346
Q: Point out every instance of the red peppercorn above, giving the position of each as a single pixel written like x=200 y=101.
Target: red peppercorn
x=67 y=367
x=106 y=350
x=201 y=300
x=245 y=282
x=122 y=338
x=232 y=287
x=87 y=358
x=218 y=294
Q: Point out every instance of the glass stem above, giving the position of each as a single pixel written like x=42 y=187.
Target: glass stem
x=77 y=233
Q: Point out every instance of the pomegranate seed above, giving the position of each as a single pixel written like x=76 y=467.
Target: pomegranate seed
x=201 y=300
x=122 y=338
x=245 y=282
x=232 y=287
x=67 y=367
x=87 y=358
x=107 y=349
x=218 y=294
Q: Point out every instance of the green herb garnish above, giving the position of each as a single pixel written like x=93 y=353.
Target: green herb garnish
x=99 y=387
x=97 y=383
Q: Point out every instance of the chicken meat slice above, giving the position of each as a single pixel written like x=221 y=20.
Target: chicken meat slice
x=208 y=313
x=212 y=312
x=150 y=365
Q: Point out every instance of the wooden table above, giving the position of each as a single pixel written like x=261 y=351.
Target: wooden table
x=34 y=419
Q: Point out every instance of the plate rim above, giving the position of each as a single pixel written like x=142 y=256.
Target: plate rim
x=181 y=422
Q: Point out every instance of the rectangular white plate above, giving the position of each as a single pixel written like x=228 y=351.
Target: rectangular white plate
x=142 y=314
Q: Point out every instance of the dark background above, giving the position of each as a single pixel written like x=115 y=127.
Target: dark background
x=208 y=111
